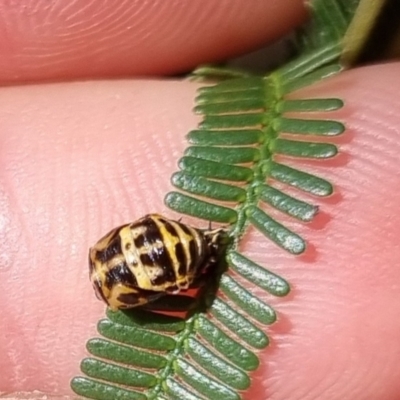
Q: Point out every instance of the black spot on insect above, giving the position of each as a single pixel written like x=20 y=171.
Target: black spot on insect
x=185 y=229
x=161 y=258
x=139 y=241
x=170 y=228
x=194 y=257
x=146 y=260
x=112 y=250
x=120 y=274
x=158 y=257
x=130 y=300
x=181 y=256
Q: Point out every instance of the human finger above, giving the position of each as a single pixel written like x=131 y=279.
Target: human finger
x=86 y=173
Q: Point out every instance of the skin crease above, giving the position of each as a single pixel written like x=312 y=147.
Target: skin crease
x=80 y=158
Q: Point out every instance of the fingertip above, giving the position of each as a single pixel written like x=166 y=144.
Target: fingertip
x=134 y=38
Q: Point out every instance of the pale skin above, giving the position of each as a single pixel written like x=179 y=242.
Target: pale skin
x=79 y=158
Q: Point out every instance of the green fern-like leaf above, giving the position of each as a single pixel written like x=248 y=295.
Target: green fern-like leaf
x=236 y=146
x=230 y=174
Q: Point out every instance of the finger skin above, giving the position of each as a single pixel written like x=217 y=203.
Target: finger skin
x=58 y=40
x=338 y=333
x=78 y=159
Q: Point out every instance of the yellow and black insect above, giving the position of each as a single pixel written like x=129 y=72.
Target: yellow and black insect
x=139 y=262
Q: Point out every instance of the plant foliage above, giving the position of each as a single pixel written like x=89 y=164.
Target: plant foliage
x=230 y=174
